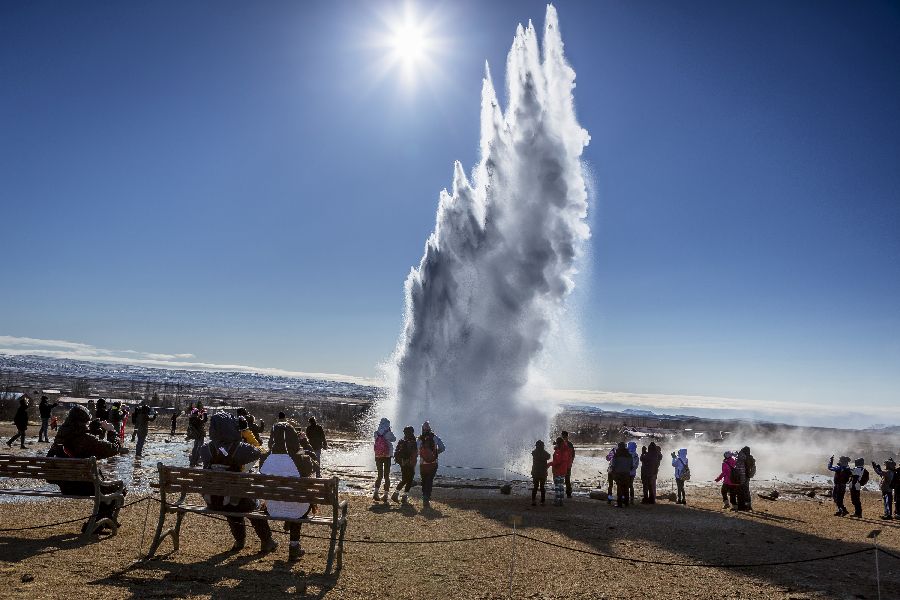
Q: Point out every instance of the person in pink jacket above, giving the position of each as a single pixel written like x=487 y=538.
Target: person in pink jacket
x=561 y=462
x=729 y=488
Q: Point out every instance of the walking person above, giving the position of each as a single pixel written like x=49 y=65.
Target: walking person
x=565 y=437
x=841 y=477
x=682 y=474
x=316 y=437
x=746 y=467
x=729 y=489
x=287 y=458
x=430 y=447
x=45 y=409
x=650 y=460
x=384 y=451
x=859 y=477
x=196 y=431
x=406 y=455
x=175 y=415
x=560 y=464
x=887 y=474
x=539 y=458
x=143 y=415
x=20 y=420
x=622 y=463
x=227 y=451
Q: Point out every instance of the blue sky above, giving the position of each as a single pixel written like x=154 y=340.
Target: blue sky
x=240 y=182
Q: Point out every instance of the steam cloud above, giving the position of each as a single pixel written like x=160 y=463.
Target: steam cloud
x=498 y=266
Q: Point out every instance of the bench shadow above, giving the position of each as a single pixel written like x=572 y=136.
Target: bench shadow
x=695 y=534
x=15 y=549
x=227 y=574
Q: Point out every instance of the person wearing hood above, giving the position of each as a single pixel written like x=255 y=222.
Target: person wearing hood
x=384 y=450
x=859 y=477
x=841 y=477
x=142 y=418
x=116 y=416
x=227 y=451
x=610 y=480
x=102 y=411
x=560 y=464
x=288 y=458
x=74 y=440
x=45 y=409
x=405 y=455
x=429 y=447
x=729 y=489
x=253 y=428
x=539 y=458
x=635 y=463
x=649 y=472
x=20 y=420
x=196 y=431
x=887 y=474
x=622 y=463
x=682 y=473
x=745 y=467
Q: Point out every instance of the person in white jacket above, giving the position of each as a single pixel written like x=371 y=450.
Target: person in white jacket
x=384 y=450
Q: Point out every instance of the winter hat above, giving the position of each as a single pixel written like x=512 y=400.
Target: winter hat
x=860 y=462
x=426 y=427
x=539 y=444
x=409 y=431
x=844 y=461
x=729 y=454
x=78 y=414
x=890 y=464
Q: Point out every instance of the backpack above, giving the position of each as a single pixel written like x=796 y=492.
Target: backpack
x=686 y=472
x=842 y=476
x=403 y=453
x=382 y=448
x=751 y=466
x=864 y=478
x=428 y=454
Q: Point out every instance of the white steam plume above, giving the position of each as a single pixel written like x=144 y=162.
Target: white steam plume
x=498 y=266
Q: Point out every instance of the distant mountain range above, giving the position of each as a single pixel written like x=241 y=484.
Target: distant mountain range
x=67 y=368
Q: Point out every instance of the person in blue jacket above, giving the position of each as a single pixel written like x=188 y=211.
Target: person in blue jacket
x=842 y=473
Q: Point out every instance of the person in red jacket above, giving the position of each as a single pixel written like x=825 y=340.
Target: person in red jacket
x=561 y=462
x=729 y=489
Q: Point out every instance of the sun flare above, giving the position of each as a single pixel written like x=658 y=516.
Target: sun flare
x=409 y=45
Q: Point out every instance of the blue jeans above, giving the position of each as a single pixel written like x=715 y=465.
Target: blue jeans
x=888 y=498
x=559 y=488
x=42 y=433
x=141 y=438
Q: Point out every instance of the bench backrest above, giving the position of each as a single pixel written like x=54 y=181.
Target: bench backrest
x=53 y=469
x=247 y=485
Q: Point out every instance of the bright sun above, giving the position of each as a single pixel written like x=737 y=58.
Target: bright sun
x=409 y=44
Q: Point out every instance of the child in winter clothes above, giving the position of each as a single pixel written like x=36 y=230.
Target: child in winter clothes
x=539 y=458
x=384 y=450
x=859 y=476
x=560 y=463
x=405 y=455
x=729 y=490
x=887 y=474
x=680 y=463
x=841 y=477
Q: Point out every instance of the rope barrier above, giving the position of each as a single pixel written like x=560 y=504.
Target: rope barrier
x=126 y=505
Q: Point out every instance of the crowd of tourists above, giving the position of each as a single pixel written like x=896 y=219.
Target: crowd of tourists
x=856 y=477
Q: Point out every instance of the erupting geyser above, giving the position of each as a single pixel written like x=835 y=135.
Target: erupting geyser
x=498 y=266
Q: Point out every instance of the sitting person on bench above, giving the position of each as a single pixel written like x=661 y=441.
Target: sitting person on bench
x=226 y=451
x=74 y=439
x=290 y=457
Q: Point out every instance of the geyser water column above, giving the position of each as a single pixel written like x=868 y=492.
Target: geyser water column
x=498 y=267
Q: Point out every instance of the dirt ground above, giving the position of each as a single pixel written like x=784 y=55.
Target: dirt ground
x=700 y=532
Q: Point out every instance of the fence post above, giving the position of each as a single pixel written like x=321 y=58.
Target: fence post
x=873 y=535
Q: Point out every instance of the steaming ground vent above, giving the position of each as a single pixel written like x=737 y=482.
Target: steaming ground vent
x=499 y=265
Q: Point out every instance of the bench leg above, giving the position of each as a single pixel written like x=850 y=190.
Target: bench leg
x=92 y=523
x=159 y=536
x=176 y=534
x=340 y=550
x=334 y=533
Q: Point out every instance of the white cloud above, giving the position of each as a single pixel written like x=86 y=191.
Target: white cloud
x=23 y=346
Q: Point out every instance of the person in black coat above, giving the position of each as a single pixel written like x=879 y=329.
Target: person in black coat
x=45 y=408
x=622 y=463
x=539 y=458
x=21 y=422
x=650 y=461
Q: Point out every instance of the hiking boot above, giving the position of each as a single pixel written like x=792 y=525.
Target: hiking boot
x=269 y=545
x=405 y=500
x=886 y=517
x=385 y=498
x=396 y=497
x=237 y=546
x=426 y=504
x=376 y=496
x=295 y=552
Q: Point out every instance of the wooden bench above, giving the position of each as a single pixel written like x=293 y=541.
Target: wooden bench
x=186 y=480
x=63 y=469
